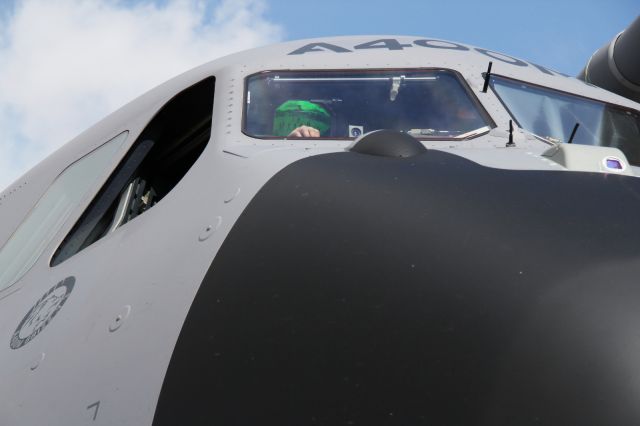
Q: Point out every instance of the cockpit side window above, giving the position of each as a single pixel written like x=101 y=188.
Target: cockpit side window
x=428 y=104
x=64 y=195
x=552 y=115
x=157 y=161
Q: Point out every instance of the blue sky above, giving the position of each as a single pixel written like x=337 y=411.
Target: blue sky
x=65 y=64
x=561 y=34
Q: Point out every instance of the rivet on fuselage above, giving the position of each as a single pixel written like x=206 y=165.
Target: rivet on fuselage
x=36 y=363
x=209 y=230
x=230 y=198
x=119 y=319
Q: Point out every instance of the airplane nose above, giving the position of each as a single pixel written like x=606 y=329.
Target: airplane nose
x=363 y=289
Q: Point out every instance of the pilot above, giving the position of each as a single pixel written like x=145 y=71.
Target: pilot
x=304 y=132
x=303 y=119
x=453 y=112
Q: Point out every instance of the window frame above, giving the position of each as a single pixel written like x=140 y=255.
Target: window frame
x=135 y=148
x=79 y=206
x=551 y=89
x=491 y=124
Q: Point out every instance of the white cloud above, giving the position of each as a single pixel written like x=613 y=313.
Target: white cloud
x=65 y=64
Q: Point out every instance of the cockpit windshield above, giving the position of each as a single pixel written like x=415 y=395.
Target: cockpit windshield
x=428 y=104
x=552 y=115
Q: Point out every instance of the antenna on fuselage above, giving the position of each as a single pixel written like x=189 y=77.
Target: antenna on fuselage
x=511 y=142
x=487 y=76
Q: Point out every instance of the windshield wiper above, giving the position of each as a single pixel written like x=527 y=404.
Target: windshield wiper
x=573 y=133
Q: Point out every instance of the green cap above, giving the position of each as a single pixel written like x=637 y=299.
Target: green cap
x=295 y=113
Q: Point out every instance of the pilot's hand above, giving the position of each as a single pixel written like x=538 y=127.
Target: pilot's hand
x=305 y=132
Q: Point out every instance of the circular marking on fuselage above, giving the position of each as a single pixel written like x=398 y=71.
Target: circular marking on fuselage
x=42 y=313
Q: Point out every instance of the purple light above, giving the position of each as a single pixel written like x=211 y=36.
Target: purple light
x=613 y=163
